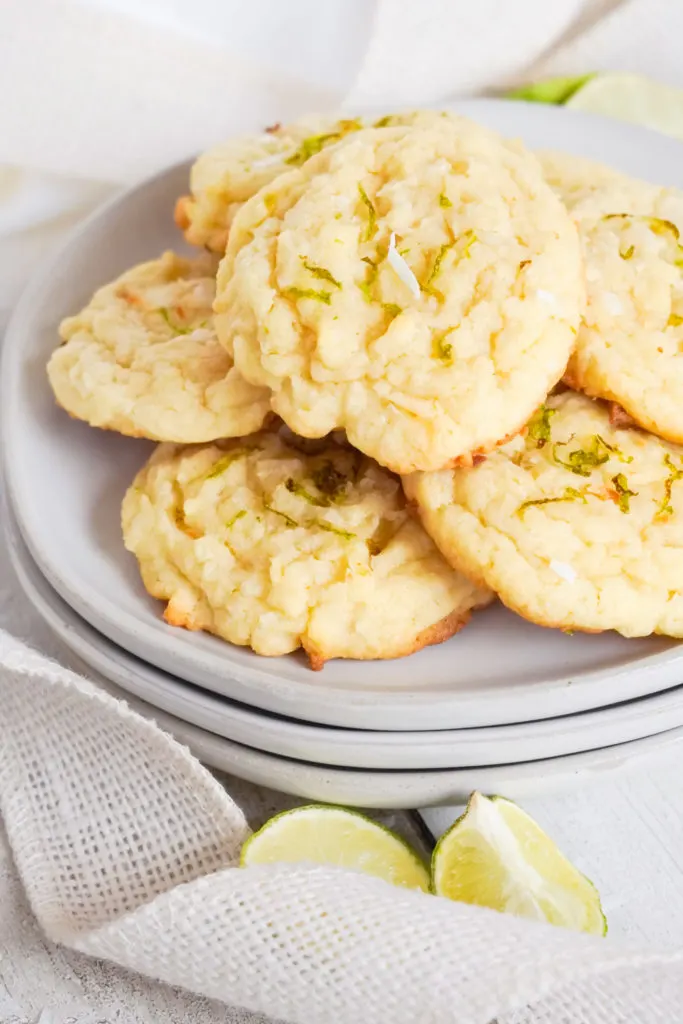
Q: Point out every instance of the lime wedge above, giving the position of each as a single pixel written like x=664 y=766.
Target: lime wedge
x=633 y=98
x=337 y=837
x=496 y=856
x=552 y=90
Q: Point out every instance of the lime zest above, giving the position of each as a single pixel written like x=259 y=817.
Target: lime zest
x=309 y=293
x=320 y=272
x=524 y=263
x=442 y=349
x=283 y=515
x=665 y=508
x=391 y=309
x=372 y=213
x=570 y=494
x=329 y=528
x=444 y=201
x=310 y=146
x=224 y=462
x=294 y=487
x=166 y=315
x=626 y=254
x=538 y=427
x=238 y=515
x=675 y=320
x=384 y=122
x=624 y=494
x=583 y=461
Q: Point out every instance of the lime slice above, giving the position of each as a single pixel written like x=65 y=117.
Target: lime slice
x=633 y=98
x=332 y=835
x=552 y=90
x=496 y=856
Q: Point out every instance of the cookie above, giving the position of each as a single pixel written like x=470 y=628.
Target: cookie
x=418 y=287
x=275 y=549
x=142 y=358
x=577 y=524
x=629 y=346
x=587 y=187
x=224 y=177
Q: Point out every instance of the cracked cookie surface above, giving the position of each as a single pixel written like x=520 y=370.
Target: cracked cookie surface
x=418 y=287
x=630 y=345
x=142 y=358
x=269 y=547
x=577 y=524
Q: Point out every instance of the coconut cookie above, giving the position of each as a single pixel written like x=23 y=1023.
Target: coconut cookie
x=142 y=358
x=224 y=177
x=576 y=524
x=630 y=346
x=274 y=549
x=590 y=189
x=418 y=287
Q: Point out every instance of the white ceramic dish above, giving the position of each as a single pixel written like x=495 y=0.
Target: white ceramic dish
x=66 y=482
x=340 y=747
x=363 y=788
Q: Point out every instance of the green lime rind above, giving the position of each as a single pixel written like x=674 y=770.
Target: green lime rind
x=553 y=90
x=419 y=862
x=443 y=842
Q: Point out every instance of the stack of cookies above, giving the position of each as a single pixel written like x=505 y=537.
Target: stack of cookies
x=416 y=366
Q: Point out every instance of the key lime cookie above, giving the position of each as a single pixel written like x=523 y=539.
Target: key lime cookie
x=630 y=346
x=575 y=524
x=268 y=547
x=590 y=189
x=418 y=287
x=225 y=176
x=142 y=358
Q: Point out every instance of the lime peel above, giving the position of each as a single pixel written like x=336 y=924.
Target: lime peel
x=337 y=837
x=496 y=856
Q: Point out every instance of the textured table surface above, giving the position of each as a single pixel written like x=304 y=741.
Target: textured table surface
x=626 y=834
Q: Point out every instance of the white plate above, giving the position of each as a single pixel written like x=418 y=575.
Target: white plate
x=67 y=481
x=506 y=744
x=387 y=789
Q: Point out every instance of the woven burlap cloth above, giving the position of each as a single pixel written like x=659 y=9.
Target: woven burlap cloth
x=127 y=848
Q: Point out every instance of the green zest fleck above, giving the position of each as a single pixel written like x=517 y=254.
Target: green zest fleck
x=570 y=494
x=372 y=213
x=428 y=286
x=309 y=293
x=674 y=320
x=270 y=202
x=444 y=200
x=665 y=507
x=442 y=349
x=320 y=272
x=626 y=254
x=334 y=529
x=524 y=263
x=538 y=428
x=583 y=461
x=384 y=122
x=282 y=515
x=294 y=487
x=330 y=481
x=238 y=515
x=310 y=146
x=391 y=309
x=174 y=327
x=657 y=225
x=370 y=278
x=621 y=487
x=225 y=460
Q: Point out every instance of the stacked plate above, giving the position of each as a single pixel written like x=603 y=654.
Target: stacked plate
x=505 y=706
